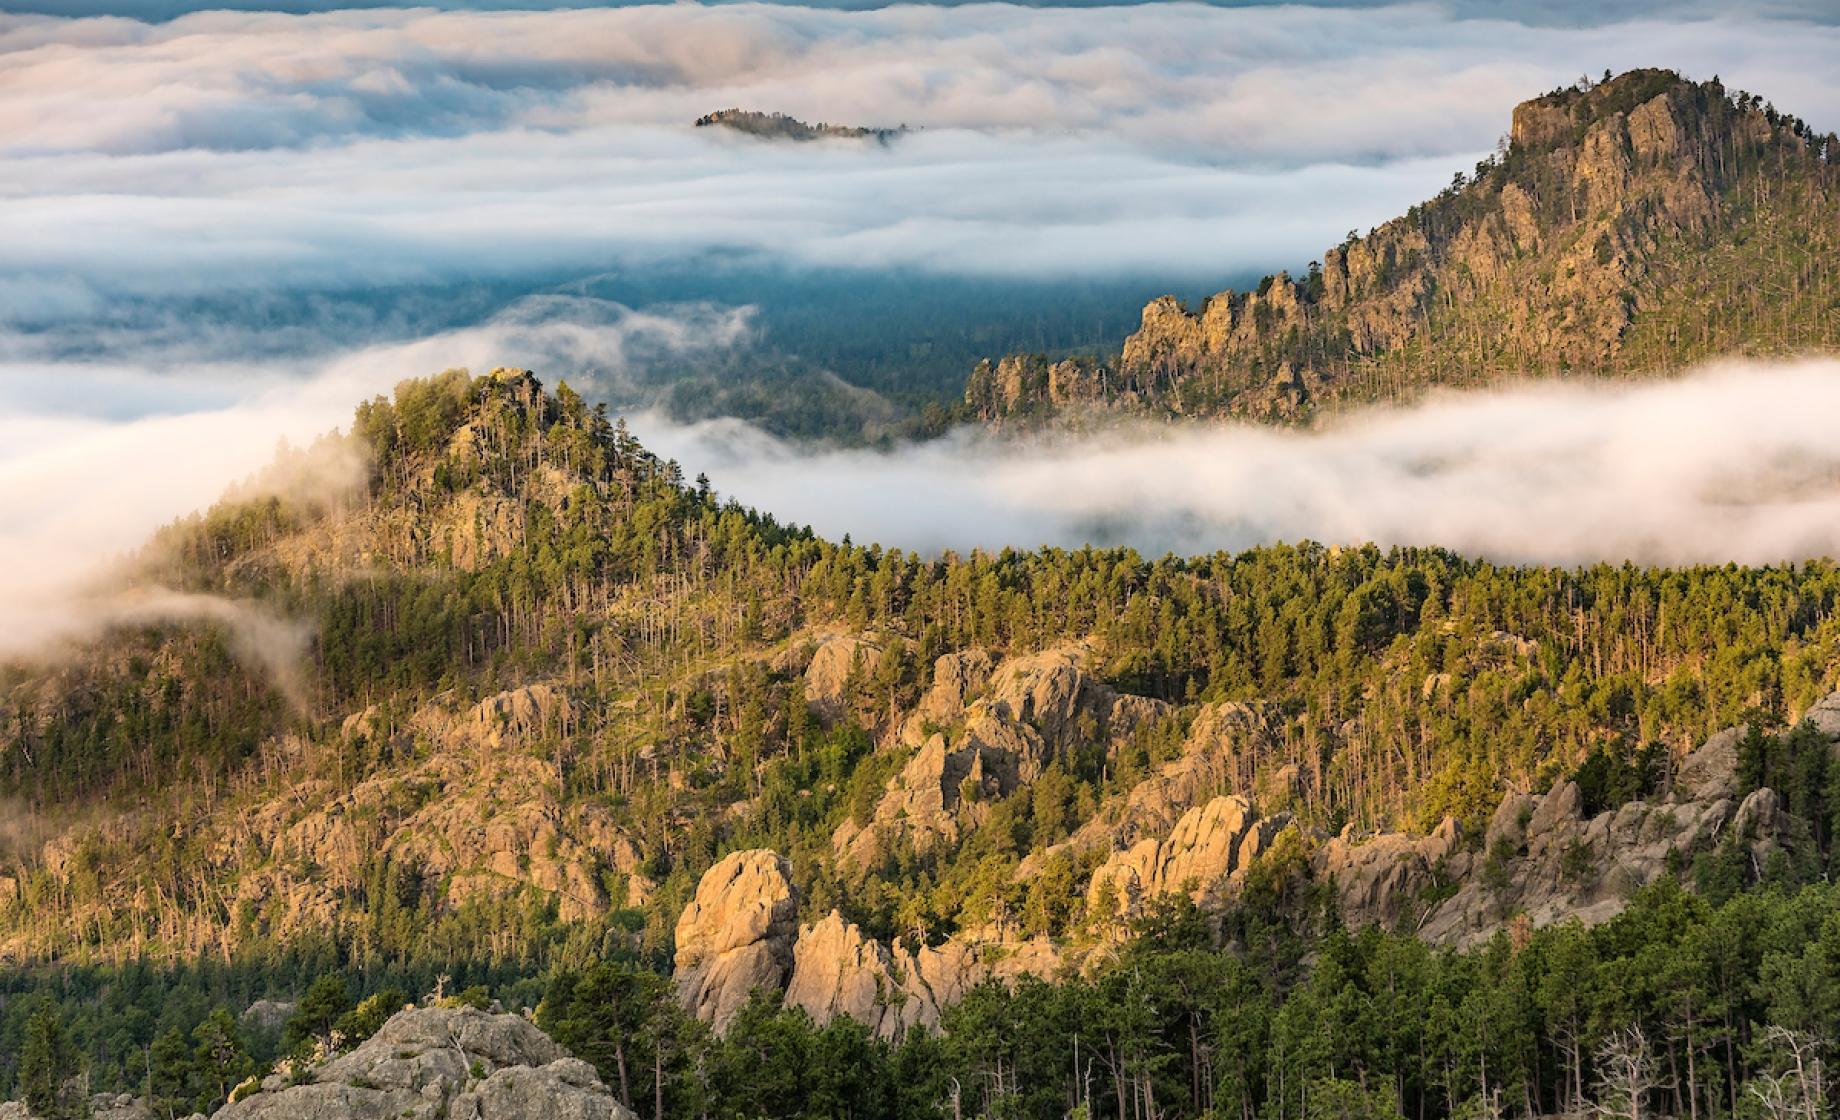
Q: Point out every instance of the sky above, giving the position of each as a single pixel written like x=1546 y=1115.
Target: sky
x=219 y=228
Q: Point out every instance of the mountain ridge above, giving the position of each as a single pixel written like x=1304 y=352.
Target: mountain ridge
x=1626 y=228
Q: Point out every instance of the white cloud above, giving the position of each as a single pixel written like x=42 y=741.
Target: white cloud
x=1734 y=464
x=225 y=151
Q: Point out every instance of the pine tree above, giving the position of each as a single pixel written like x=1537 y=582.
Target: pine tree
x=171 y=1074
x=51 y=1069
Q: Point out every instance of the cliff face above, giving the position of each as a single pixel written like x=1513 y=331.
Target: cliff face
x=1623 y=229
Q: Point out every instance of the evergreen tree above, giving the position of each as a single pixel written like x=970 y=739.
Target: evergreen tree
x=51 y=1069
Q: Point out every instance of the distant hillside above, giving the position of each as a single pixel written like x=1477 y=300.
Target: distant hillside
x=1626 y=228
x=779 y=126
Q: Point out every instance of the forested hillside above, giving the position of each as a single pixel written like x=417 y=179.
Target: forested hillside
x=1630 y=227
x=550 y=693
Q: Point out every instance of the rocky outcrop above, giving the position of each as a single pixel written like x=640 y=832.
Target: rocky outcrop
x=1711 y=772
x=736 y=935
x=1204 y=856
x=982 y=731
x=779 y=126
x=1541 y=263
x=1543 y=859
x=1378 y=880
x=1052 y=693
x=836 y=970
x=267 y=1016
x=1825 y=716
x=102 y=1106
x=1224 y=750
x=891 y=990
x=521 y=714
x=440 y=1064
x=477 y=818
x=827 y=675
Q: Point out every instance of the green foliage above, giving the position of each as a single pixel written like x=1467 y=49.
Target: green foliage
x=1421 y=683
x=50 y=1068
x=1375 y=1026
x=1609 y=776
x=316 y=1017
x=369 y=1015
x=220 y=1060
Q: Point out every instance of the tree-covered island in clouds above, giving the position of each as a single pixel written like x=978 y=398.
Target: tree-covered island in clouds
x=779 y=126
x=487 y=756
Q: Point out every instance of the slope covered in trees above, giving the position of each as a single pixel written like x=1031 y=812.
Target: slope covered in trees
x=1626 y=228
x=550 y=683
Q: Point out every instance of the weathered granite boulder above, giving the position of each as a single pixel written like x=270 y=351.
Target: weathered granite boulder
x=438 y=1063
x=737 y=934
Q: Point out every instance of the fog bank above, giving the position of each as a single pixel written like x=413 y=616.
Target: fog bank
x=241 y=151
x=1736 y=463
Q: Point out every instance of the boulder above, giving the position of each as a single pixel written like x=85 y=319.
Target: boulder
x=1759 y=816
x=267 y=1016
x=1509 y=823
x=829 y=672
x=737 y=934
x=1712 y=770
x=1203 y=848
x=1826 y=715
x=1562 y=806
x=439 y=1063
x=957 y=680
x=119 y=1106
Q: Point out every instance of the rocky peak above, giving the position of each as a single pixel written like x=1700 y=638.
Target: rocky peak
x=1543 y=261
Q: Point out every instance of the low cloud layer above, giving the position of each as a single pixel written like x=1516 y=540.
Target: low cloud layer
x=1734 y=464
x=241 y=151
x=256 y=161
x=1562 y=13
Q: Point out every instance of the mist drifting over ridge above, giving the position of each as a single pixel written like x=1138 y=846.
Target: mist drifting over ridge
x=1716 y=466
x=257 y=160
x=1708 y=469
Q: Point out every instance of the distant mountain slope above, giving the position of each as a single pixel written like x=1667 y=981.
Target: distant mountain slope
x=1627 y=228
